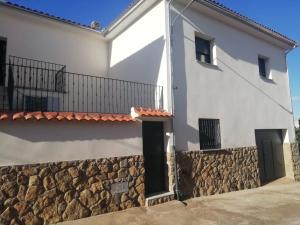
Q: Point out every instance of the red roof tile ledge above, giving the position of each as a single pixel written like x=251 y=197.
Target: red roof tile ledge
x=149 y=112
x=136 y=112
x=66 y=116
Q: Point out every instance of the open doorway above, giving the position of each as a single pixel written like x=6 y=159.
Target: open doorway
x=270 y=154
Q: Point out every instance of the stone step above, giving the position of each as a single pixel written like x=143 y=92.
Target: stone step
x=160 y=198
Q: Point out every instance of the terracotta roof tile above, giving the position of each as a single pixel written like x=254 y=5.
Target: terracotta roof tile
x=149 y=112
x=3 y=116
x=69 y=116
x=50 y=115
x=34 y=115
x=17 y=116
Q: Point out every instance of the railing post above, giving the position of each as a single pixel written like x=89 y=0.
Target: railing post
x=10 y=87
x=162 y=98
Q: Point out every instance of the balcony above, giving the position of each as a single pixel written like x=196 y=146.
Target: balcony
x=30 y=85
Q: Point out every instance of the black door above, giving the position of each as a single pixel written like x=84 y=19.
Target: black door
x=153 y=148
x=270 y=154
x=2 y=60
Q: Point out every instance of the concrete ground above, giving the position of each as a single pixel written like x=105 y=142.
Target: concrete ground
x=276 y=203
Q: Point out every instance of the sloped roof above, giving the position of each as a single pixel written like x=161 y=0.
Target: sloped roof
x=210 y=3
x=47 y=15
x=236 y=15
x=228 y=12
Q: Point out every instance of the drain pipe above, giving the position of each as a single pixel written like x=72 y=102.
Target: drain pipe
x=170 y=53
x=170 y=32
x=286 y=64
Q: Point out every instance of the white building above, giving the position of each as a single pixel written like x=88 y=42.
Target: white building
x=186 y=81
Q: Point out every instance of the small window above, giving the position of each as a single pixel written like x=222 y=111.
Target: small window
x=203 y=50
x=33 y=104
x=263 y=67
x=60 y=80
x=209 y=133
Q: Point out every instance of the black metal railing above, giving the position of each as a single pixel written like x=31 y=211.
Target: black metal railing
x=40 y=87
x=26 y=62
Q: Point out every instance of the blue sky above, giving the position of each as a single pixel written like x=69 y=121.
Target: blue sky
x=283 y=16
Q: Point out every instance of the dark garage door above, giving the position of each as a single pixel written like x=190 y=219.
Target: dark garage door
x=270 y=154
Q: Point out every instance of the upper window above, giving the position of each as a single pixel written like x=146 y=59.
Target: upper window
x=209 y=133
x=263 y=65
x=203 y=50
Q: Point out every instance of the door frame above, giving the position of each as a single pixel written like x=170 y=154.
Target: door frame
x=163 y=144
x=5 y=55
x=262 y=153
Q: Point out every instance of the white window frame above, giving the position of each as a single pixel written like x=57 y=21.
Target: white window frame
x=267 y=66
x=213 y=48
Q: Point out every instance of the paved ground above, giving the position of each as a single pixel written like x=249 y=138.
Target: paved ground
x=275 y=204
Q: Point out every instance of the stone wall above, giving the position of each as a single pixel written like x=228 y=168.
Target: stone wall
x=296 y=160
x=170 y=171
x=211 y=172
x=54 y=192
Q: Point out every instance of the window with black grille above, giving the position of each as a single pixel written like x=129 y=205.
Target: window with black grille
x=209 y=133
x=203 y=50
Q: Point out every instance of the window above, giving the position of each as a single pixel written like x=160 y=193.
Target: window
x=203 y=50
x=33 y=104
x=209 y=133
x=263 y=66
x=60 y=80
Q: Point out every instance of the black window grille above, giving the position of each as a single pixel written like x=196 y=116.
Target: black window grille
x=209 y=133
x=203 y=50
x=262 y=67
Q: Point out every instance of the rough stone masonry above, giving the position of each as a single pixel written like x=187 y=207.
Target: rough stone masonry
x=296 y=160
x=54 y=192
x=218 y=171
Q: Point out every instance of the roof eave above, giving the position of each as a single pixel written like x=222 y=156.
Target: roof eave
x=51 y=18
x=122 y=16
x=291 y=43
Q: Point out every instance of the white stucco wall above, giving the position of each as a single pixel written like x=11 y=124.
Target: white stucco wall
x=139 y=52
x=232 y=91
x=26 y=142
x=35 y=37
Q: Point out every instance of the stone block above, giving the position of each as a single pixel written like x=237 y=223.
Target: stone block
x=55 y=192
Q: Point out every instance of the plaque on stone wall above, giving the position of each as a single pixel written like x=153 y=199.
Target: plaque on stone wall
x=120 y=187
